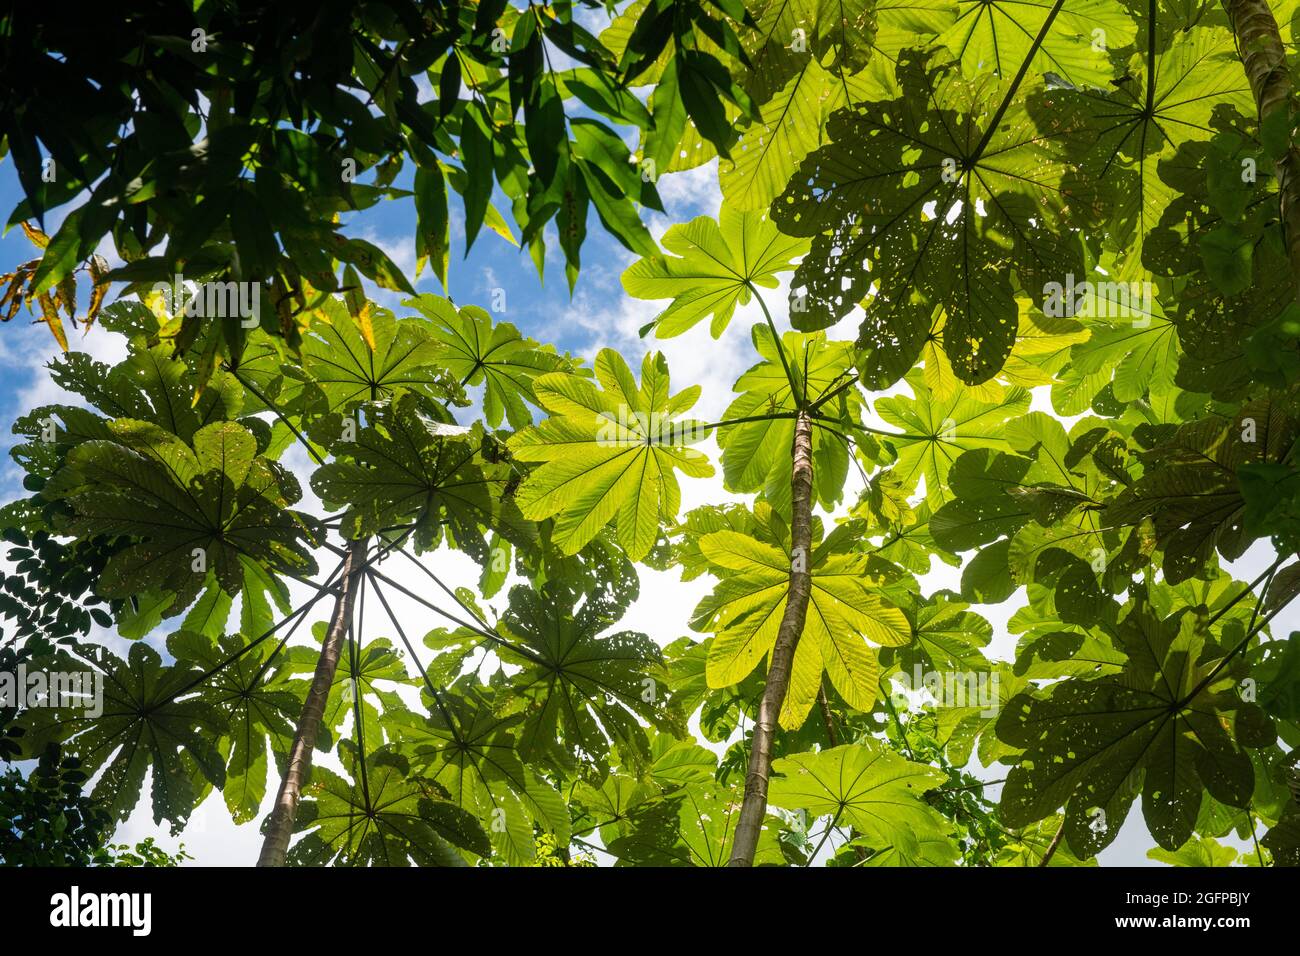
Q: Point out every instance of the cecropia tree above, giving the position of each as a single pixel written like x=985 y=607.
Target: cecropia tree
x=1013 y=519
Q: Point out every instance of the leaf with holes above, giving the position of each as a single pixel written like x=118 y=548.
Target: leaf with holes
x=1156 y=729
x=918 y=204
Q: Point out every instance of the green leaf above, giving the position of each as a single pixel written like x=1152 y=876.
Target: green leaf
x=715 y=268
x=433 y=227
x=184 y=510
x=142 y=728
x=468 y=750
x=746 y=607
x=609 y=454
x=948 y=637
x=583 y=692
x=755 y=454
x=374 y=262
x=404 y=469
x=912 y=204
x=936 y=432
x=1199 y=851
x=1190 y=488
x=769 y=151
x=1139 y=124
x=997 y=36
x=336 y=358
x=387 y=819
x=694 y=828
x=1154 y=729
x=259 y=711
x=496 y=357
x=1031 y=844
x=865 y=786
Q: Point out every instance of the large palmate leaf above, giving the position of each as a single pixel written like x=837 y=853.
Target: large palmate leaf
x=497 y=357
x=1157 y=728
x=1133 y=355
x=150 y=385
x=936 y=431
x=756 y=454
x=771 y=149
x=583 y=692
x=839 y=32
x=142 y=728
x=338 y=359
x=1142 y=121
x=901 y=23
x=865 y=786
x=915 y=202
x=1039 y=352
x=949 y=638
x=258 y=708
x=1190 y=488
x=1030 y=844
x=1200 y=851
x=609 y=453
x=982 y=510
x=1060 y=490
x=470 y=751
x=183 y=508
x=1283 y=839
x=1047 y=498
x=746 y=607
x=962 y=718
x=695 y=827
x=405 y=468
x=998 y=35
x=714 y=269
x=367 y=680
x=383 y=818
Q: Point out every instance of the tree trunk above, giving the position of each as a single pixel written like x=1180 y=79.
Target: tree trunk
x=754 y=807
x=280 y=827
x=1051 y=847
x=1264 y=57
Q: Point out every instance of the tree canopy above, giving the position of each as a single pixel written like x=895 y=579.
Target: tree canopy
x=1021 y=287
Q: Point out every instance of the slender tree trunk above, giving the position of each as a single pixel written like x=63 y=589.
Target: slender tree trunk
x=754 y=807
x=1264 y=57
x=280 y=827
x=1051 y=847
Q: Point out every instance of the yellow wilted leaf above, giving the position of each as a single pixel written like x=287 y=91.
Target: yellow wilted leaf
x=65 y=296
x=98 y=288
x=50 y=316
x=37 y=238
x=12 y=299
x=364 y=320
